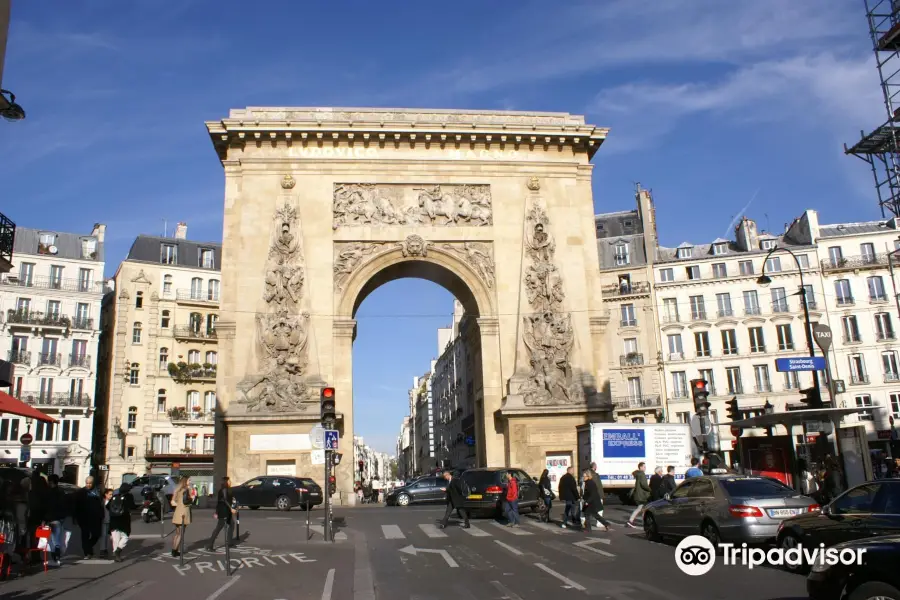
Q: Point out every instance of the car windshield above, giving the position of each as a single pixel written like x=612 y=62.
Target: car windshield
x=755 y=488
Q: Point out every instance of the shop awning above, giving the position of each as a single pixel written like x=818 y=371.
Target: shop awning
x=799 y=417
x=13 y=406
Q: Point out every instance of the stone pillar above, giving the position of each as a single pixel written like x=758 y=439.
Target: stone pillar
x=343 y=333
x=494 y=436
x=598 y=331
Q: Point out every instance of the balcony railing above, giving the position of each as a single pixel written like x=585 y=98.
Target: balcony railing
x=736 y=390
x=181 y=414
x=49 y=359
x=855 y=262
x=628 y=323
x=7 y=241
x=80 y=360
x=724 y=312
x=760 y=349
x=878 y=297
x=62 y=399
x=764 y=388
x=780 y=307
x=22 y=317
x=191 y=296
x=636 y=403
x=698 y=315
x=885 y=335
x=45 y=282
x=165 y=449
x=20 y=357
x=632 y=359
x=82 y=323
x=188 y=332
x=633 y=289
x=752 y=310
x=811 y=304
x=671 y=318
x=676 y=355
x=859 y=379
x=889 y=377
x=845 y=301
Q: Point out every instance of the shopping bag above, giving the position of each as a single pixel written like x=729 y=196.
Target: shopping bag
x=43 y=537
x=65 y=542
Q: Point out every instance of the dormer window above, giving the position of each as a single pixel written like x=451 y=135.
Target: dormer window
x=206 y=258
x=88 y=248
x=46 y=241
x=622 y=257
x=685 y=252
x=767 y=244
x=719 y=248
x=600 y=228
x=168 y=254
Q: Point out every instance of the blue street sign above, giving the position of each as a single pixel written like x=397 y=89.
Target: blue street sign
x=800 y=364
x=470 y=440
x=331 y=439
x=24 y=453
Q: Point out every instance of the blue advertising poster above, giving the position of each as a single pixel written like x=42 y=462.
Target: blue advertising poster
x=624 y=443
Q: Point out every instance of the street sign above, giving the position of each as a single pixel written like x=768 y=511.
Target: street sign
x=807 y=363
x=24 y=453
x=103 y=467
x=317 y=437
x=26 y=439
x=470 y=440
x=822 y=335
x=317 y=457
x=331 y=439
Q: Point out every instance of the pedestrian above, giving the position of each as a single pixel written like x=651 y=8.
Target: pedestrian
x=694 y=470
x=568 y=493
x=119 y=519
x=225 y=513
x=456 y=496
x=89 y=514
x=808 y=486
x=593 y=503
x=656 y=481
x=547 y=493
x=37 y=508
x=57 y=511
x=9 y=529
x=181 y=518
x=596 y=479
x=641 y=492
x=833 y=482
x=512 y=500
x=668 y=483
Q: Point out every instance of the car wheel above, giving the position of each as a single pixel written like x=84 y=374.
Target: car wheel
x=402 y=500
x=875 y=589
x=283 y=503
x=711 y=533
x=254 y=507
x=651 y=529
x=789 y=541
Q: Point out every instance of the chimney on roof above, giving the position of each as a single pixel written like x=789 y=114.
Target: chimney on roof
x=746 y=236
x=181 y=231
x=99 y=232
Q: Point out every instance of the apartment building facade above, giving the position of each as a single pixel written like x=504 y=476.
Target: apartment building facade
x=50 y=307
x=161 y=359
x=423 y=417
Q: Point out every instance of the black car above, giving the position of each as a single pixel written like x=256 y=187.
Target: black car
x=487 y=488
x=867 y=510
x=877 y=576
x=424 y=490
x=281 y=492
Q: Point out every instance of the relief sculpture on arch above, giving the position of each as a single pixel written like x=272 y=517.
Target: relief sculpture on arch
x=447 y=205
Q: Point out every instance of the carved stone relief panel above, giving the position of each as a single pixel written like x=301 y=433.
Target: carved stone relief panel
x=478 y=255
x=394 y=204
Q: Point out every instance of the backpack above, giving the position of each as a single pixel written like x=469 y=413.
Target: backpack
x=117 y=506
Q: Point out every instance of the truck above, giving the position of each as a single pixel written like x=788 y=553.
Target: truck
x=618 y=448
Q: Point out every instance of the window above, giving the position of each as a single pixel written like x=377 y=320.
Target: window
x=767 y=244
x=859 y=500
x=719 y=249
x=676 y=352
x=209 y=402
x=81 y=316
x=85 y=277
x=751 y=303
x=889 y=362
x=864 y=401
x=779 y=300
x=26 y=275
x=666 y=275
x=884 y=328
x=621 y=254
x=685 y=252
x=79 y=354
x=195 y=321
x=701 y=342
x=670 y=310
x=43 y=432
x=630 y=346
x=791 y=380
x=190 y=443
x=69 y=430
x=165 y=319
x=46 y=388
x=212 y=358
x=634 y=388
x=763 y=383
x=876 y=288
x=9 y=430
x=194 y=357
x=628 y=319
x=161 y=401
x=867 y=252
x=746 y=267
x=720 y=270
x=810 y=296
x=803 y=259
x=757 y=339
x=679 y=384
x=196 y=289
x=212 y=291
x=88 y=248
x=707 y=376
x=136 y=333
x=45 y=242
x=167 y=285
x=858 y=374
x=723 y=305
x=56 y=275
x=163 y=357
x=698 y=308
x=206 y=258
x=895 y=408
x=851 y=329
x=729 y=342
x=836 y=256
x=193 y=401
x=211 y=321
x=53 y=308
x=159 y=443
x=843 y=292
x=773 y=265
x=693 y=272
x=683 y=417
x=785 y=336
x=129 y=452
x=139 y=300
x=168 y=254
x=132 y=418
x=209 y=444
x=134 y=374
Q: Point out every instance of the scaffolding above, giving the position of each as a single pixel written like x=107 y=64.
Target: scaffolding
x=880 y=148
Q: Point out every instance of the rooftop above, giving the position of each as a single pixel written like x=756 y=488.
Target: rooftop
x=58 y=244
x=149 y=249
x=850 y=229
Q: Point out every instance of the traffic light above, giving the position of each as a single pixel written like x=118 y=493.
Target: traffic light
x=327 y=405
x=732 y=410
x=336 y=458
x=811 y=398
x=700 y=393
x=332 y=485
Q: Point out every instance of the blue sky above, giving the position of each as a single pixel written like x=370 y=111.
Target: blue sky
x=710 y=104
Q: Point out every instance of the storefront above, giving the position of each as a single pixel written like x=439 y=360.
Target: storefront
x=199 y=467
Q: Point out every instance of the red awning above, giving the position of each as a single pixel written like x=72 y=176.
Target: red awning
x=13 y=406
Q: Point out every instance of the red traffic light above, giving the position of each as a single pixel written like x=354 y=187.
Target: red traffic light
x=328 y=392
x=699 y=384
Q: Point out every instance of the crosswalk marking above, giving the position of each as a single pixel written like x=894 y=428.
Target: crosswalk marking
x=474 y=531
x=432 y=531
x=548 y=527
x=512 y=530
x=392 y=532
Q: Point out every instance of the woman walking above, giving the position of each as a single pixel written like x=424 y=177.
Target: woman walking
x=593 y=503
x=181 y=518
x=547 y=494
x=225 y=512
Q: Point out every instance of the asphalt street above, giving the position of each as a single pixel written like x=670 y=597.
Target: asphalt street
x=398 y=553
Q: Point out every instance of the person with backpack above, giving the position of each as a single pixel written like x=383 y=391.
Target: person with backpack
x=119 y=520
x=457 y=491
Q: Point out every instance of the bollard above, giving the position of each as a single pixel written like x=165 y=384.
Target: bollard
x=181 y=541
x=307 y=521
x=237 y=520
x=228 y=549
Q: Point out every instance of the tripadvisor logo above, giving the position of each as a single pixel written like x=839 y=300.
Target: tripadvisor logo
x=696 y=555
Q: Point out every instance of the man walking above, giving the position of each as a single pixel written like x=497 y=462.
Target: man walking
x=568 y=493
x=512 y=500
x=456 y=495
x=89 y=513
x=640 y=494
x=225 y=513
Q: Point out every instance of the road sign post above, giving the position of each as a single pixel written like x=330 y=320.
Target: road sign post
x=822 y=334
x=26 y=439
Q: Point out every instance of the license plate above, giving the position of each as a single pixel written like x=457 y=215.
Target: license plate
x=315 y=494
x=475 y=496
x=784 y=512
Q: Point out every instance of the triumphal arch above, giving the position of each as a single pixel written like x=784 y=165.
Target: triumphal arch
x=324 y=205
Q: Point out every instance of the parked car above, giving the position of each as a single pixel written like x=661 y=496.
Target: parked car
x=423 y=490
x=283 y=493
x=487 y=489
x=155 y=482
x=866 y=510
x=877 y=576
x=725 y=508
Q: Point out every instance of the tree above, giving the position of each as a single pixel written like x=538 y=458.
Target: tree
x=392 y=469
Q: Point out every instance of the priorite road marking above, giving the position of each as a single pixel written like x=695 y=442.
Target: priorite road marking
x=508 y=547
x=392 y=532
x=432 y=531
x=512 y=530
x=222 y=589
x=264 y=560
x=569 y=583
x=329 y=583
x=474 y=531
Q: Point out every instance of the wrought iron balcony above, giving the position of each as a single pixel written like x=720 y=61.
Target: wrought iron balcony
x=20 y=357
x=192 y=333
x=49 y=359
x=80 y=360
x=724 y=312
x=667 y=318
x=45 y=282
x=885 y=335
x=181 y=414
x=890 y=377
x=628 y=323
x=845 y=301
x=7 y=242
x=752 y=311
x=636 y=403
x=850 y=263
x=21 y=317
x=698 y=315
x=196 y=297
x=857 y=379
x=634 y=289
x=632 y=359
x=780 y=307
x=83 y=323
x=676 y=355
x=61 y=399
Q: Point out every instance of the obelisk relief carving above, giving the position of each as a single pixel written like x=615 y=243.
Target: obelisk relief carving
x=283 y=329
x=547 y=331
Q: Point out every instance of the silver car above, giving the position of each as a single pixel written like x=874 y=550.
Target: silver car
x=729 y=508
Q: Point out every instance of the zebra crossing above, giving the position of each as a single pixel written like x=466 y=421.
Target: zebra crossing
x=482 y=529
